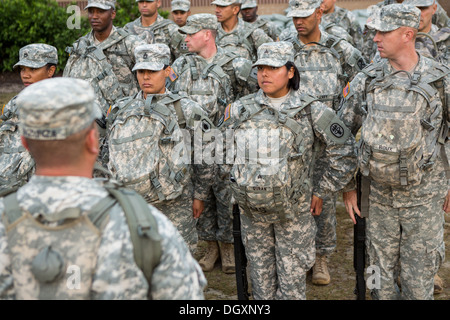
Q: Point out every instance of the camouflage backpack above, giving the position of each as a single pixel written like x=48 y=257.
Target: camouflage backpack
x=89 y=62
x=210 y=85
x=16 y=163
x=153 y=161
x=327 y=67
x=242 y=40
x=264 y=178
x=57 y=261
x=404 y=132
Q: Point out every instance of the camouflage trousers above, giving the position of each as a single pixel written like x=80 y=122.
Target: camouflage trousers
x=179 y=212
x=408 y=242
x=216 y=221
x=326 y=221
x=326 y=227
x=279 y=255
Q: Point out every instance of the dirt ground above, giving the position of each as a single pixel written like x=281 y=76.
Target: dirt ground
x=223 y=286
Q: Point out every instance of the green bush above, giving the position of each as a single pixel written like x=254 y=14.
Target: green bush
x=34 y=21
x=42 y=21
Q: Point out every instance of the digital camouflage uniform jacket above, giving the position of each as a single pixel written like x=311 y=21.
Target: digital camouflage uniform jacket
x=341 y=157
x=115 y=274
x=353 y=112
x=243 y=40
x=161 y=31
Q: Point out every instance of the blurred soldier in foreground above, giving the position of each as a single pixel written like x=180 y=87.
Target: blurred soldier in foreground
x=63 y=235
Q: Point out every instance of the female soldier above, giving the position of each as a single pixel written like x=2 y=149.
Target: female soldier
x=270 y=177
x=37 y=62
x=147 y=150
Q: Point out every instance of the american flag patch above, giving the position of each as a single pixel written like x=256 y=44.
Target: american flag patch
x=172 y=75
x=227 y=113
x=346 y=90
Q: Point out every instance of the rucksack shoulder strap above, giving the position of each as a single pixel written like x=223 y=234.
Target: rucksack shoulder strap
x=12 y=209
x=143 y=228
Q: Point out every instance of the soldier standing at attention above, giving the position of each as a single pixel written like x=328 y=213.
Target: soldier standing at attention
x=271 y=182
x=156 y=29
x=148 y=150
x=400 y=105
x=115 y=44
x=325 y=63
x=249 y=12
x=205 y=74
x=181 y=10
x=234 y=34
x=50 y=231
x=37 y=62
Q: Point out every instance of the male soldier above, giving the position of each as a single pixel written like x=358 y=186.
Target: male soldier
x=181 y=10
x=114 y=44
x=156 y=28
x=37 y=62
x=399 y=102
x=325 y=63
x=48 y=226
x=234 y=34
x=342 y=17
x=432 y=42
x=147 y=151
x=215 y=224
x=104 y=57
x=249 y=12
x=368 y=46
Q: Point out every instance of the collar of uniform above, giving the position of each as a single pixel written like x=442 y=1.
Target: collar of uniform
x=293 y=101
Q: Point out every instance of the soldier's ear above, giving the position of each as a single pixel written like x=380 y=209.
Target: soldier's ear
x=51 y=71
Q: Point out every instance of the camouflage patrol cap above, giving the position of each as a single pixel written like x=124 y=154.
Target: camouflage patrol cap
x=55 y=108
x=419 y=3
x=198 y=22
x=394 y=16
x=181 y=5
x=302 y=8
x=225 y=3
x=275 y=54
x=151 y=57
x=248 y=4
x=37 y=55
x=102 y=4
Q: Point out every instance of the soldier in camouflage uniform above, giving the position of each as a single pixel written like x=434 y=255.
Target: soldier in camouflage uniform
x=278 y=234
x=399 y=103
x=326 y=63
x=116 y=44
x=156 y=29
x=142 y=154
x=37 y=62
x=180 y=10
x=369 y=48
x=432 y=42
x=234 y=34
x=215 y=224
x=344 y=18
x=249 y=12
x=57 y=124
